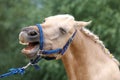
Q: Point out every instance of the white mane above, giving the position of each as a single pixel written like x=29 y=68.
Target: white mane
x=98 y=41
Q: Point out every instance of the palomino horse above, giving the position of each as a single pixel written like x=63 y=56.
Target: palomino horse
x=86 y=57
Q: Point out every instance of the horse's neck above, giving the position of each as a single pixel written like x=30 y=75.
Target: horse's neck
x=89 y=56
x=74 y=64
x=86 y=50
x=86 y=60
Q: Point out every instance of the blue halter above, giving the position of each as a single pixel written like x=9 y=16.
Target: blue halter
x=58 y=50
x=55 y=51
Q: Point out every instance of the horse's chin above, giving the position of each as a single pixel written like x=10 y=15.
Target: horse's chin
x=31 y=49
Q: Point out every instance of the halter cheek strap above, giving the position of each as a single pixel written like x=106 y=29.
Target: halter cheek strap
x=58 y=50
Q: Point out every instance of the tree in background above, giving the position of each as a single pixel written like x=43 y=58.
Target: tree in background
x=15 y=14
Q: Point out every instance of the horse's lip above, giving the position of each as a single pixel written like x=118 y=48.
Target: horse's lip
x=30 y=53
x=31 y=48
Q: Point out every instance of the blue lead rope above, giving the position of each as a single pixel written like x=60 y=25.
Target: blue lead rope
x=13 y=71
x=21 y=70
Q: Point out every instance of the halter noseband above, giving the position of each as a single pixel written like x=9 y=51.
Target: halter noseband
x=58 y=50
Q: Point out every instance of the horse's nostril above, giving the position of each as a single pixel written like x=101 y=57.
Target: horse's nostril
x=32 y=33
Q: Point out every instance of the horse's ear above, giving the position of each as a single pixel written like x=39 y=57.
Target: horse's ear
x=81 y=23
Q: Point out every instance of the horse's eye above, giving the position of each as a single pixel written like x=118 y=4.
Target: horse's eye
x=62 y=30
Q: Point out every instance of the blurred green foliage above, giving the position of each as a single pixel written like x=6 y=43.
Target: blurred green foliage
x=15 y=14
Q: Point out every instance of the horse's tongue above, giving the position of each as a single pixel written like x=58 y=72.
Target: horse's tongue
x=30 y=46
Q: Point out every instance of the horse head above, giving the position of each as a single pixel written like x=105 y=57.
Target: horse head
x=56 y=31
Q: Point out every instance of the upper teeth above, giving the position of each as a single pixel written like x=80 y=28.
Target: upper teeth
x=23 y=43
